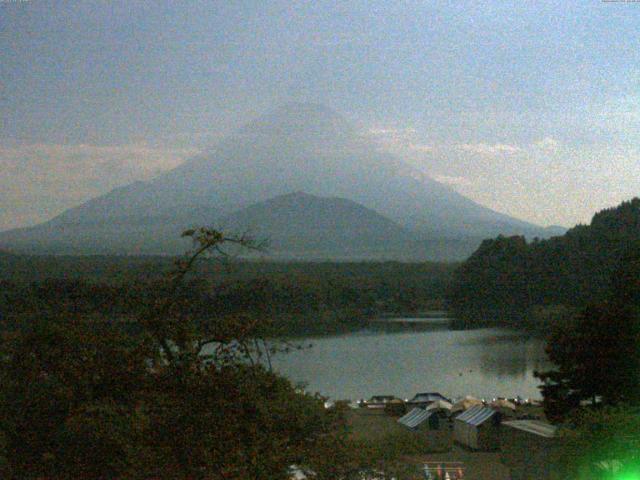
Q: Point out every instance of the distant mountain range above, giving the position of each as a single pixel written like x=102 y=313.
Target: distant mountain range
x=314 y=227
x=301 y=176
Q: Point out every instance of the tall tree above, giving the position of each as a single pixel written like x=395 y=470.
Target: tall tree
x=598 y=353
x=597 y=360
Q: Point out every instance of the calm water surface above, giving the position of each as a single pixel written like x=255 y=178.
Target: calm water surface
x=401 y=359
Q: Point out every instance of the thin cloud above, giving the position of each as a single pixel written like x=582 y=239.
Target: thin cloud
x=400 y=140
x=489 y=149
x=41 y=180
x=457 y=181
x=547 y=145
x=421 y=148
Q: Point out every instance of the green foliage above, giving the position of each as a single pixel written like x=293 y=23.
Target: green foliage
x=80 y=403
x=296 y=298
x=482 y=290
x=87 y=398
x=601 y=445
x=545 y=318
x=597 y=359
x=597 y=352
x=69 y=396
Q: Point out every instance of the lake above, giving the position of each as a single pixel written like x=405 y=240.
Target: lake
x=404 y=356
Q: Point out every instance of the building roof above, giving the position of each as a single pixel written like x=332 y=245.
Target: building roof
x=476 y=415
x=415 y=417
x=440 y=405
x=532 y=426
x=428 y=397
x=382 y=398
x=466 y=403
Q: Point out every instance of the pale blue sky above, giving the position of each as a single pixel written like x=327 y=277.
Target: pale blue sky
x=531 y=108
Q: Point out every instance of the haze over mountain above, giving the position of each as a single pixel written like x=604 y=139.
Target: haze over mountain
x=296 y=148
x=311 y=227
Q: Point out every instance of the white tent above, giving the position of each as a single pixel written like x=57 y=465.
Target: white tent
x=502 y=403
x=440 y=405
x=466 y=403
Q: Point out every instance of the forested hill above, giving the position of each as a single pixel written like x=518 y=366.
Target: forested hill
x=510 y=281
x=294 y=298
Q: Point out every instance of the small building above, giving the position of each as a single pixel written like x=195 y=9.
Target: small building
x=419 y=419
x=422 y=400
x=528 y=448
x=478 y=428
x=379 y=401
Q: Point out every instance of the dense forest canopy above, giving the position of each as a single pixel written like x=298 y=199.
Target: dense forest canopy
x=511 y=281
x=301 y=298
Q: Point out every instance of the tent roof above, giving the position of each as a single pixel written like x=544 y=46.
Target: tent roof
x=440 y=404
x=415 y=417
x=469 y=397
x=532 y=426
x=465 y=403
x=427 y=397
x=501 y=403
x=476 y=415
x=381 y=398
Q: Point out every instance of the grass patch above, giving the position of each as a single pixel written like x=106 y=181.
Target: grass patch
x=376 y=429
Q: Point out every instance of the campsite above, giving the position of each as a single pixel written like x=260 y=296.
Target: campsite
x=464 y=438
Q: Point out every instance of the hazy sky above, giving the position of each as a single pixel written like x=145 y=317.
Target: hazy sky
x=531 y=108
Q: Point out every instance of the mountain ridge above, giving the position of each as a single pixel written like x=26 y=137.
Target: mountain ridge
x=299 y=147
x=299 y=224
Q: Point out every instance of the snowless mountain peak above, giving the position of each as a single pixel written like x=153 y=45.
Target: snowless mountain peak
x=297 y=147
x=299 y=119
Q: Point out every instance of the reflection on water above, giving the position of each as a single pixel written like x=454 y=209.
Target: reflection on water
x=404 y=358
x=404 y=325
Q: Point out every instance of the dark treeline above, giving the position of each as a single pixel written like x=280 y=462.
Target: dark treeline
x=533 y=284
x=599 y=339
x=298 y=298
x=593 y=388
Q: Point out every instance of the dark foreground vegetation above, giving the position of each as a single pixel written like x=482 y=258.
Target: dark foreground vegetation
x=84 y=396
x=583 y=291
x=594 y=389
x=297 y=298
x=104 y=376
